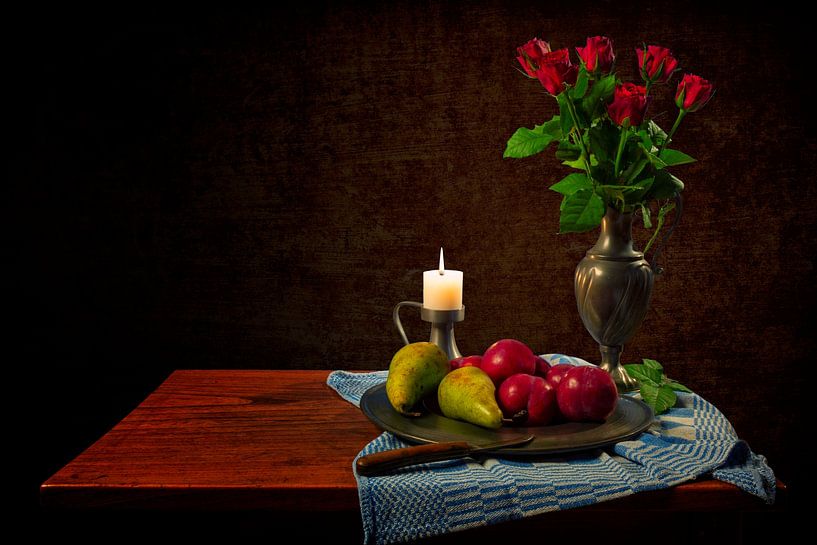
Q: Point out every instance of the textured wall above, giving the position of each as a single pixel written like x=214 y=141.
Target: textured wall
x=215 y=190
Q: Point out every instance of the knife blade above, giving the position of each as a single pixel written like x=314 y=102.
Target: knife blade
x=382 y=462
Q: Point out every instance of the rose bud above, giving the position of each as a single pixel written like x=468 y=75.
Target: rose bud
x=556 y=70
x=629 y=103
x=597 y=55
x=530 y=54
x=656 y=64
x=693 y=93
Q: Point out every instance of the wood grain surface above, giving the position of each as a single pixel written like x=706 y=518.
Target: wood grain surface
x=249 y=440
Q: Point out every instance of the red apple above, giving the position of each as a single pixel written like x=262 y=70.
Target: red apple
x=555 y=374
x=530 y=393
x=508 y=357
x=513 y=394
x=586 y=393
x=542 y=367
x=466 y=361
x=542 y=405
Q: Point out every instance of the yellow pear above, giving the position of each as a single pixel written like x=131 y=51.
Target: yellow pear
x=467 y=394
x=415 y=371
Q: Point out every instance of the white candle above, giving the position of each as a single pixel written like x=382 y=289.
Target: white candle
x=442 y=289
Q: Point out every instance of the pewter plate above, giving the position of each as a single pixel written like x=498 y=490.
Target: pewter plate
x=630 y=418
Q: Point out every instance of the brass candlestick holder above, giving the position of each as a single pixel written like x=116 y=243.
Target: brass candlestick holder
x=442 y=326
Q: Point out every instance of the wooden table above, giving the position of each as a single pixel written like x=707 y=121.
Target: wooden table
x=268 y=440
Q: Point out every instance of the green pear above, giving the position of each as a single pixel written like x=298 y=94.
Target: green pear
x=415 y=371
x=467 y=394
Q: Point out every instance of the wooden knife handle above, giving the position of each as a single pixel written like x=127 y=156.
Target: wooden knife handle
x=381 y=462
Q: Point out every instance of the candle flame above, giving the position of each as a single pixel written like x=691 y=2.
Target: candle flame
x=442 y=262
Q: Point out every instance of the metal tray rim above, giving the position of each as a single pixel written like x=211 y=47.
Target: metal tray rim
x=425 y=428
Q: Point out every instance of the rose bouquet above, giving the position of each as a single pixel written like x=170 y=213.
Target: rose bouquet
x=602 y=130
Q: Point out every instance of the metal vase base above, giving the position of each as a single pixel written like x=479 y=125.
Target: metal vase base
x=611 y=362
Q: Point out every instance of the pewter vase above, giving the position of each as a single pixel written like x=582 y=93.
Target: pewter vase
x=613 y=285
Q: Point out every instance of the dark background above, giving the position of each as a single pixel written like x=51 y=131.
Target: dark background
x=256 y=189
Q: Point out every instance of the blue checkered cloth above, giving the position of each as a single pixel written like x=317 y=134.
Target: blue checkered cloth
x=689 y=440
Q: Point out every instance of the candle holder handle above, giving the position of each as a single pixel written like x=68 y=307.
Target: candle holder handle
x=442 y=326
x=395 y=315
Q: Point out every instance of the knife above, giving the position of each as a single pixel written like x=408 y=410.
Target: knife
x=382 y=462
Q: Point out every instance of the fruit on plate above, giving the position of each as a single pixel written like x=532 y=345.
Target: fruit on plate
x=468 y=394
x=466 y=361
x=508 y=357
x=532 y=394
x=542 y=367
x=586 y=393
x=557 y=372
x=415 y=371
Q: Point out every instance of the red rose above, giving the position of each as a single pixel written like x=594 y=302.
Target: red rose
x=598 y=54
x=531 y=53
x=693 y=93
x=656 y=64
x=555 y=70
x=629 y=102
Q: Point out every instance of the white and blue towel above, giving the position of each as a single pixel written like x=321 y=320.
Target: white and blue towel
x=689 y=440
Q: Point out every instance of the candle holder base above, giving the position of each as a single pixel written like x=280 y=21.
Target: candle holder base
x=442 y=326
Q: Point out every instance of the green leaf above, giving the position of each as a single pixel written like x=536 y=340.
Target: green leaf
x=566 y=113
x=552 y=127
x=582 y=212
x=578 y=164
x=632 y=171
x=637 y=197
x=580 y=89
x=623 y=189
x=672 y=157
x=660 y=398
x=526 y=142
x=646 y=140
x=604 y=87
x=643 y=374
x=656 y=133
x=664 y=210
x=568 y=151
x=602 y=171
x=600 y=92
x=677 y=386
x=603 y=141
x=571 y=183
x=656 y=161
x=652 y=364
x=657 y=390
x=626 y=194
x=565 y=117
x=665 y=186
x=645 y=214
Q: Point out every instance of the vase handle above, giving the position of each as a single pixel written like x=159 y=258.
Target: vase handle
x=679 y=208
